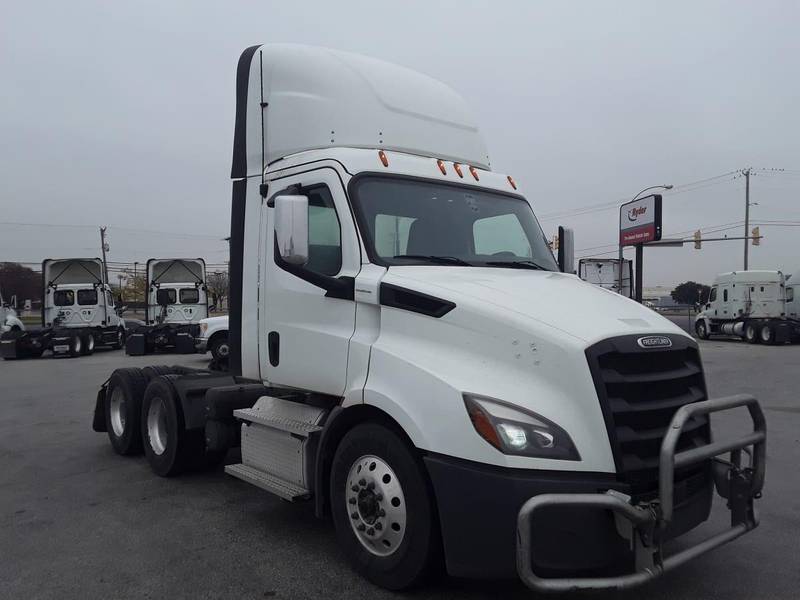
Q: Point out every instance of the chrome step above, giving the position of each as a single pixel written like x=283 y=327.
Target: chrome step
x=262 y=417
x=279 y=487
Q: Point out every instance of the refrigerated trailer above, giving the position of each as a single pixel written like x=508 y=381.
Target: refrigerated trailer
x=78 y=313
x=604 y=272
x=177 y=301
x=406 y=355
x=757 y=306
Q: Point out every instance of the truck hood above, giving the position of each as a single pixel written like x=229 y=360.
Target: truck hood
x=562 y=303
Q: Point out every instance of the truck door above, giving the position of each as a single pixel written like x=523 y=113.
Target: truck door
x=305 y=334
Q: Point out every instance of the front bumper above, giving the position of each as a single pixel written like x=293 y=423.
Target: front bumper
x=201 y=344
x=549 y=527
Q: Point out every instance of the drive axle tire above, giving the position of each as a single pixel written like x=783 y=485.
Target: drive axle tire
x=383 y=508
x=123 y=410
x=75 y=345
x=767 y=334
x=88 y=344
x=169 y=447
x=701 y=329
x=750 y=333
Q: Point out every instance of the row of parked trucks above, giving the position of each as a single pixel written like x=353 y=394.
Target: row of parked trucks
x=79 y=311
x=407 y=355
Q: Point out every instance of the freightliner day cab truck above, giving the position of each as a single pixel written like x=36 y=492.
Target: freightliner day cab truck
x=406 y=355
x=78 y=313
x=177 y=301
x=758 y=306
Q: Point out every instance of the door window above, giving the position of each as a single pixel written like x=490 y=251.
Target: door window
x=63 y=297
x=87 y=297
x=189 y=296
x=713 y=295
x=109 y=299
x=324 y=233
x=790 y=294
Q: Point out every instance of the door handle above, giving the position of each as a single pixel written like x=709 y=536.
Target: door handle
x=274 y=347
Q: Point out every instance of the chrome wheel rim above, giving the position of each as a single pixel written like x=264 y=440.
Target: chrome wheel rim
x=117 y=409
x=90 y=343
x=766 y=334
x=701 y=330
x=78 y=343
x=157 y=426
x=376 y=505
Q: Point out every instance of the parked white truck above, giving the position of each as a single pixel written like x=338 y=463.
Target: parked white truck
x=758 y=306
x=176 y=302
x=78 y=313
x=9 y=321
x=605 y=273
x=406 y=355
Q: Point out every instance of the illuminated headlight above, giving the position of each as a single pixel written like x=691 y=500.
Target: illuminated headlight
x=517 y=431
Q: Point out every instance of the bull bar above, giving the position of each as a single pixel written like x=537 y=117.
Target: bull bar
x=644 y=524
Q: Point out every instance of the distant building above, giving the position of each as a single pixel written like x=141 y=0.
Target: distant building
x=659 y=297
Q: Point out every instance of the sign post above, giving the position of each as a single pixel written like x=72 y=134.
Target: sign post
x=639 y=224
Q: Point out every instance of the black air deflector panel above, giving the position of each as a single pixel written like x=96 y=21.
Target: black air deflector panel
x=411 y=300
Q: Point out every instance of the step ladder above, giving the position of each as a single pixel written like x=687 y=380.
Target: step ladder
x=279 y=440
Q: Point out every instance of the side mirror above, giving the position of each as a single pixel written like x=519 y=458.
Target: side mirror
x=291 y=228
x=566 y=250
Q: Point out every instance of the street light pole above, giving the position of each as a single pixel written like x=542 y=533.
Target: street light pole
x=652 y=187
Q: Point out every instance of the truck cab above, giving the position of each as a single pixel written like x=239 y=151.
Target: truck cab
x=406 y=354
x=755 y=305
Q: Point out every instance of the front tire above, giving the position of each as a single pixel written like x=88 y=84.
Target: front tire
x=383 y=508
x=119 y=341
x=220 y=348
x=701 y=329
x=750 y=333
x=123 y=409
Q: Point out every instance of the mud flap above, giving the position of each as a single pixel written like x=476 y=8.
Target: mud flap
x=99 y=421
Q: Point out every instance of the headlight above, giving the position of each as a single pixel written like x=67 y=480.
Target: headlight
x=517 y=431
x=203 y=328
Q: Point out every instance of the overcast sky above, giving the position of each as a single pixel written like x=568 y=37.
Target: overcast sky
x=122 y=114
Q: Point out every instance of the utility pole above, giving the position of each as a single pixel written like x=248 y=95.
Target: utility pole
x=103 y=247
x=746 y=174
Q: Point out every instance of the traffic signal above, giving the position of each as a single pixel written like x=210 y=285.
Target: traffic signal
x=756 y=236
x=698 y=241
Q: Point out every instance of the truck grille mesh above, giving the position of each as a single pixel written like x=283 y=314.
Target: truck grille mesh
x=640 y=390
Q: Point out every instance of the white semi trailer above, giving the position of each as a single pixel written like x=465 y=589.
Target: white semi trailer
x=78 y=313
x=176 y=302
x=758 y=306
x=406 y=355
x=605 y=273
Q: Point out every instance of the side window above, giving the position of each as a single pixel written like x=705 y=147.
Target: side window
x=63 y=297
x=713 y=295
x=189 y=296
x=109 y=299
x=391 y=234
x=87 y=297
x=725 y=295
x=790 y=294
x=502 y=234
x=324 y=233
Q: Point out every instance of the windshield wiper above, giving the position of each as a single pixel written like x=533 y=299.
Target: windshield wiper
x=517 y=264
x=442 y=260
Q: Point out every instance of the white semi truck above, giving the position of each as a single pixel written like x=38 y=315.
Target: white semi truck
x=9 y=321
x=78 y=313
x=758 y=306
x=406 y=355
x=177 y=300
x=605 y=273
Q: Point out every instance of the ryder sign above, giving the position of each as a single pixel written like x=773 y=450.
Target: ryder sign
x=640 y=221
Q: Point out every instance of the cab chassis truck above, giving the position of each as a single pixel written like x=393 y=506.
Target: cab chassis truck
x=406 y=355
x=78 y=313
x=177 y=301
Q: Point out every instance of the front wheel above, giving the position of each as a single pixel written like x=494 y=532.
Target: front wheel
x=119 y=340
x=383 y=509
x=220 y=348
x=701 y=329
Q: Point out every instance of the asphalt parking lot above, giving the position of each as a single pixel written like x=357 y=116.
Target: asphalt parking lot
x=78 y=521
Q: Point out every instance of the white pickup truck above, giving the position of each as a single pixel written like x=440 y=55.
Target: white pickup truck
x=213 y=337
x=407 y=356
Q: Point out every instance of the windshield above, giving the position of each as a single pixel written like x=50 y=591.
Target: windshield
x=412 y=221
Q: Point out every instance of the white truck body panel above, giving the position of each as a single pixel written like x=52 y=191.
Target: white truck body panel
x=604 y=272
